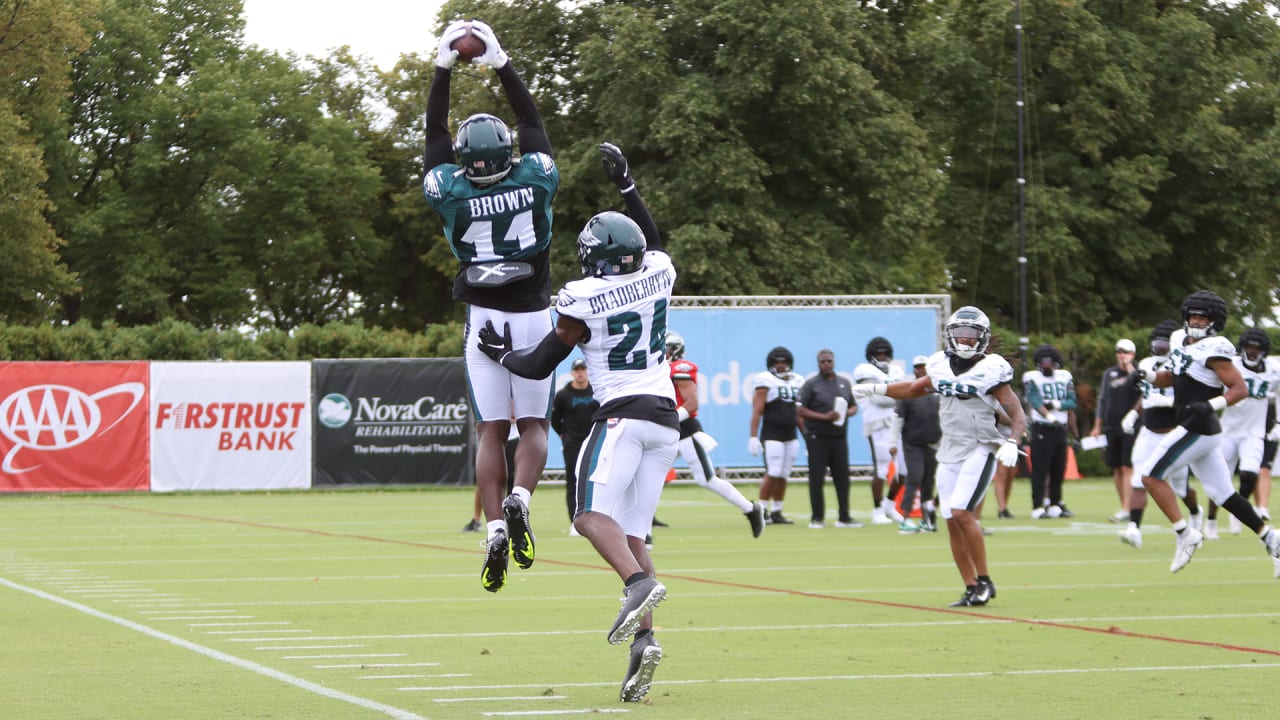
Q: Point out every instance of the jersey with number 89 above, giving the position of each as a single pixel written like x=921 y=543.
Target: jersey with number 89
x=626 y=317
x=508 y=220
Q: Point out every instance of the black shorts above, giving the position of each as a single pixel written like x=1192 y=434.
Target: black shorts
x=1119 y=451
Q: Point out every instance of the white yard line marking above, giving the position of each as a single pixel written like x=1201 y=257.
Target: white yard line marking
x=502 y=698
x=349 y=655
x=244 y=624
x=256 y=632
x=179 y=612
x=309 y=647
x=241 y=663
x=894 y=676
x=375 y=666
x=410 y=677
x=584 y=711
x=212 y=617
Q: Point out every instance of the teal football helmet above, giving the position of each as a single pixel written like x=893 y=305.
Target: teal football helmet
x=483 y=147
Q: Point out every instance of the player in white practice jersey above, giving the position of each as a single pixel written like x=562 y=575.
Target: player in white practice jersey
x=1204 y=381
x=971 y=384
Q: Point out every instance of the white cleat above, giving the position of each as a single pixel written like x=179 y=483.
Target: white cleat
x=1210 y=529
x=1234 y=525
x=1132 y=536
x=1189 y=541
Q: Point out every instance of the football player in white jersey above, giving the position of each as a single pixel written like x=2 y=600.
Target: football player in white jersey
x=617 y=314
x=1204 y=381
x=1051 y=394
x=879 y=425
x=971 y=385
x=774 y=429
x=1244 y=425
x=1158 y=418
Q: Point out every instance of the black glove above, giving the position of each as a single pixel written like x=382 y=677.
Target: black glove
x=616 y=167
x=492 y=344
x=1048 y=405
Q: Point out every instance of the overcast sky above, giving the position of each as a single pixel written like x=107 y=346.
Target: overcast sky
x=380 y=29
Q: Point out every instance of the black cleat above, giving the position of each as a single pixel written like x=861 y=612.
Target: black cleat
x=659 y=523
x=1005 y=514
x=493 y=574
x=755 y=516
x=990 y=587
x=974 y=596
x=517 y=516
x=777 y=518
x=473 y=526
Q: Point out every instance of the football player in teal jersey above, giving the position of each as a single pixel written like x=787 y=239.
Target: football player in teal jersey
x=496 y=210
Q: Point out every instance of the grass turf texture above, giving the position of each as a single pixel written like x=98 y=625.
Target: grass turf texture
x=368 y=605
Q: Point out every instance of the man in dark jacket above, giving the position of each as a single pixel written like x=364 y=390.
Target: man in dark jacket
x=1117 y=394
x=571 y=412
x=921 y=431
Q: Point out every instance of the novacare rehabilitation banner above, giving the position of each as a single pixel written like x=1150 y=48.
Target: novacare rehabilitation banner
x=392 y=421
x=73 y=426
x=230 y=426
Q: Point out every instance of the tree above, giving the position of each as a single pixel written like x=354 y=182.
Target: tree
x=36 y=37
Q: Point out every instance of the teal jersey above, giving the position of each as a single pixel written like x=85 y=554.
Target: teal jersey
x=509 y=220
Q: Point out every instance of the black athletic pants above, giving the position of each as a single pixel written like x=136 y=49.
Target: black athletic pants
x=1048 y=463
x=825 y=453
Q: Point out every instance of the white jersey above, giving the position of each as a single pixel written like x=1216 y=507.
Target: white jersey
x=1058 y=388
x=1157 y=419
x=879 y=410
x=1248 y=418
x=967 y=407
x=627 y=319
x=1195 y=381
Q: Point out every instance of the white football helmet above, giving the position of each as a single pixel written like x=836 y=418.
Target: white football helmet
x=968 y=323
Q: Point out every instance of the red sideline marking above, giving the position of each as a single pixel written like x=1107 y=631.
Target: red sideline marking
x=1112 y=630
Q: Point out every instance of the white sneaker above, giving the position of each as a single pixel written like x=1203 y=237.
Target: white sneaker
x=1037 y=513
x=1271 y=541
x=1210 y=529
x=816 y=524
x=1054 y=511
x=1189 y=541
x=1132 y=535
x=878 y=517
x=1233 y=524
x=1120 y=516
x=1263 y=513
x=891 y=510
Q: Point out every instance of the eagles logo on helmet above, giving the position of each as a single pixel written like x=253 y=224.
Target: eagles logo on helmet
x=878 y=346
x=675 y=345
x=779 y=355
x=610 y=244
x=1205 y=303
x=1261 y=343
x=968 y=323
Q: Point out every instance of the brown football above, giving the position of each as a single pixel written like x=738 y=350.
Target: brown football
x=469 y=46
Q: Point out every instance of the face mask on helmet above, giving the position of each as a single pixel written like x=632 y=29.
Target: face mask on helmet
x=968 y=333
x=1254 y=346
x=879 y=352
x=675 y=345
x=1211 y=311
x=779 y=361
x=1160 y=335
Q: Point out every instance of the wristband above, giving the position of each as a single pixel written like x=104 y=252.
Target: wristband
x=1218 y=403
x=627 y=189
x=682 y=413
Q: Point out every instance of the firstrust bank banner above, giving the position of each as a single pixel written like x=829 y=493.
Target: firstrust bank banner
x=230 y=426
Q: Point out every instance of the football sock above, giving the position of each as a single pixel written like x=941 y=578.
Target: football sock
x=1238 y=506
x=636 y=578
x=523 y=494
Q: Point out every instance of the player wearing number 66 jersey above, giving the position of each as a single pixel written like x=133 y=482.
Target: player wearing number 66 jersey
x=617 y=314
x=496 y=211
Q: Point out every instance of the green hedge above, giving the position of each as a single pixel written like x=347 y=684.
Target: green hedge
x=174 y=340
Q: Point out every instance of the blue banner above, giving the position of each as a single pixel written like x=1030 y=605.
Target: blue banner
x=729 y=345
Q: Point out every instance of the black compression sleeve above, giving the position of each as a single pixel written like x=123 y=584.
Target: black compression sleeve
x=439 y=146
x=639 y=212
x=533 y=136
x=539 y=361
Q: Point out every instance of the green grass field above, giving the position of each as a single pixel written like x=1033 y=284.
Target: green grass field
x=363 y=605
